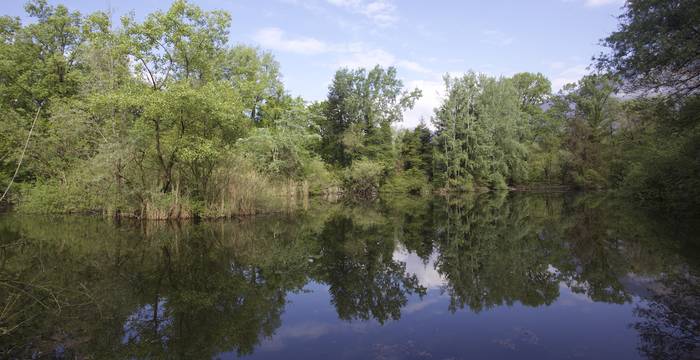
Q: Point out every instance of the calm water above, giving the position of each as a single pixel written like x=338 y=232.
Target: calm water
x=495 y=276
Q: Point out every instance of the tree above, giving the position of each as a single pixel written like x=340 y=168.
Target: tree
x=180 y=44
x=457 y=134
x=39 y=66
x=361 y=107
x=655 y=47
x=176 y=53
x=256 y=76
x=192 y=127
x=589 y=111
x=545 y=131
x=480 y=134
x=285 y=148
x=498 y=106
x=655 y=50
x=417 y=150
x=533 y=90
x=54 y=41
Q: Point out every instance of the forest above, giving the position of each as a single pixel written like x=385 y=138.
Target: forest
x=164 y=119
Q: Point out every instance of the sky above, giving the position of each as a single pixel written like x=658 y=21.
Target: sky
x=424 y=40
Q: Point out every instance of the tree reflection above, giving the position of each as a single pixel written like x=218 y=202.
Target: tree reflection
x=669 y=323
x=490 y=253
x=153 y=293
x=77 y=287
x=595 y=260
x=357 y=263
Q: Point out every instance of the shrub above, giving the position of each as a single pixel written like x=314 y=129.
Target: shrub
x=363 y=178
x=412 y=181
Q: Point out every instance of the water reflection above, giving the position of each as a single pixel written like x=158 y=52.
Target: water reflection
x=75 y=287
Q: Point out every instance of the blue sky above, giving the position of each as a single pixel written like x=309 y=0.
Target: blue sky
x=423 y=39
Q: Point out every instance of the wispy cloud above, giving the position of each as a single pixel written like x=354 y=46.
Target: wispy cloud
x=414 y=66
x=366 y=58
x=275 y=38
x=597 y=3
x=495 y=37
x=568 y=74
x=352 y=55
x=555 y=65
x=381 y=12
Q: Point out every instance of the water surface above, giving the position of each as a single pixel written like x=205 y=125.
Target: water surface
x=491 y=276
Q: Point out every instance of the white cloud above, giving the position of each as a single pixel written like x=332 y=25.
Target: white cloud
x=381 y=12
x=495 y=37
x=556 y=65
x=274 y=38
x=568 y=75
x=596 y=3
x=433 y=91
x=414 y=66
x=359 y=55
x=367 y=58
x=352 y=55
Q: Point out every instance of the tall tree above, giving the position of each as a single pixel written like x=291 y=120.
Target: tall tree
x=589 y=109
x=544 y=139
x=256 y=76
x=480 y=134
x=361 y=107
x=39 y=67
x=177 y=52
x=533 y=90
x=180 y=44
x=417 y=150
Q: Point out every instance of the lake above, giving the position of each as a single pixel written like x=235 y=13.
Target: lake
x=489 y=276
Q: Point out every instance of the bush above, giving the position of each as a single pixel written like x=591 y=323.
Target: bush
x=412 y=181
x=363 y=178
x=590 y=179
x=54 y=197
x=497 y=182
x=164 y=206
x=320 y=180
x=466 y=184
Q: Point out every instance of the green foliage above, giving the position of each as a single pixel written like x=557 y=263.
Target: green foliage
x=655 y=47
x=40 y=60
x=284 y=149
x=364 y=177
x=361 y=107
x=659 y=165
x=56 y=198
x=589 y=110
x=416 y=150
x=161 y=117
x=182 y=43
x=255 y=74
x=412 y=181
x=320 y=179
x=480 y=132
x=533 y=90
x=544 y=140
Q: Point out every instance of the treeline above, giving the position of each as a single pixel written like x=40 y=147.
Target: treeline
x=163 y=119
